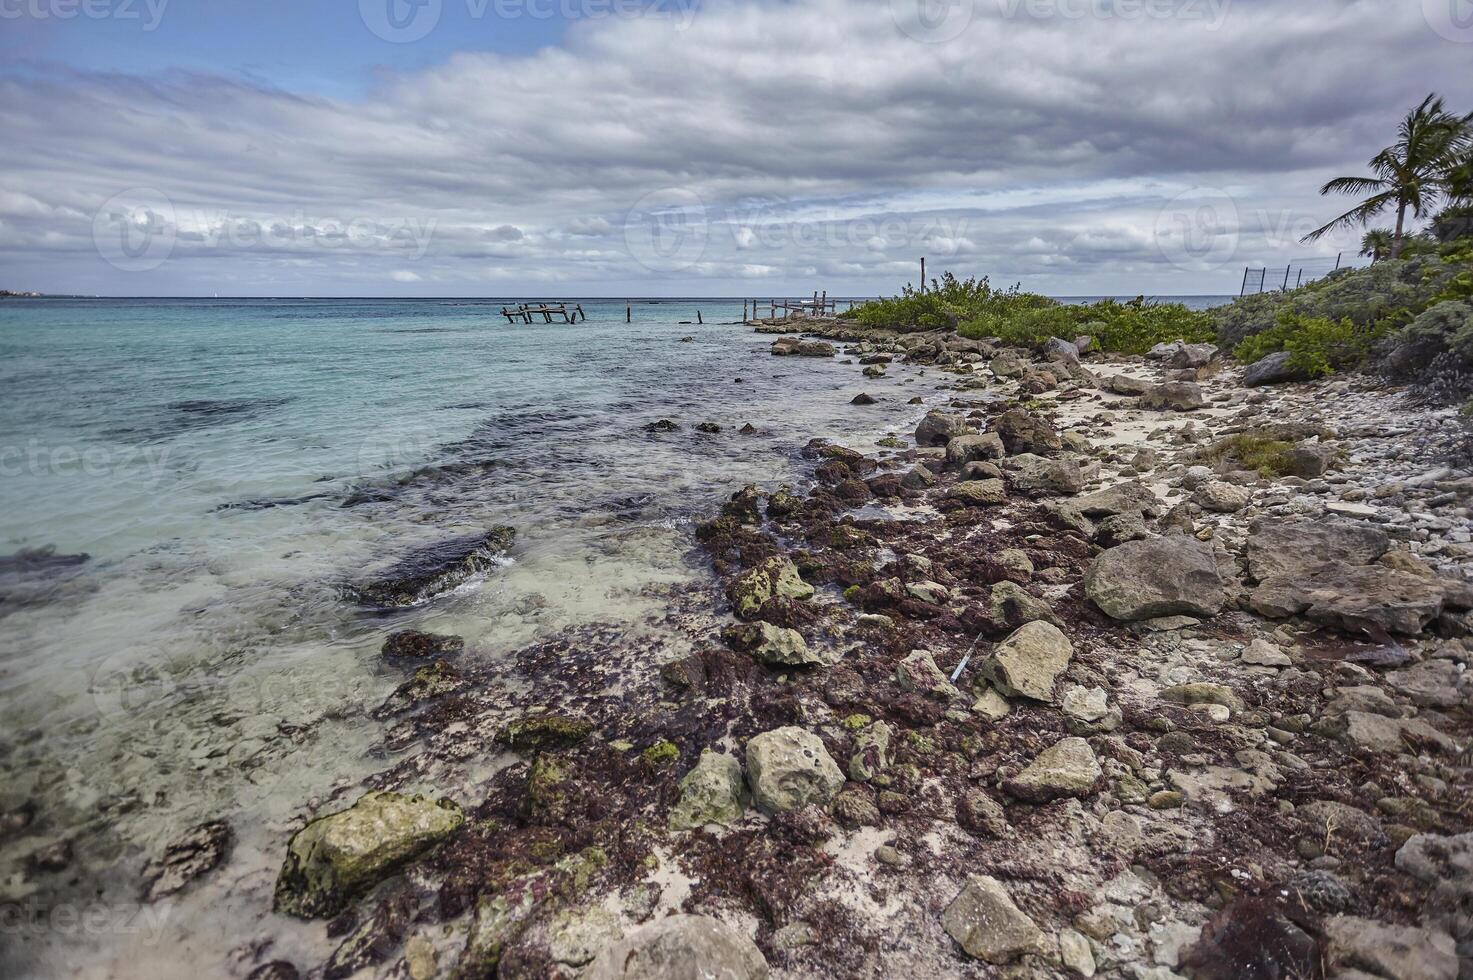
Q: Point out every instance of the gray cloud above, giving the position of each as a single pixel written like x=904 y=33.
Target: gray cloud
x=768 y=143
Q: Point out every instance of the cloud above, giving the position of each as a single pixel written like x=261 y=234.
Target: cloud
x=405 y=275
x=1060 y=150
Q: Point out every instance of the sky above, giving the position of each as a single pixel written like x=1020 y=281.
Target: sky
x=759 y=148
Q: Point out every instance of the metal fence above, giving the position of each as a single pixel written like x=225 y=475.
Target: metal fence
x=1292 y=275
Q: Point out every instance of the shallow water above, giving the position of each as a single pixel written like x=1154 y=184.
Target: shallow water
x=228 y=466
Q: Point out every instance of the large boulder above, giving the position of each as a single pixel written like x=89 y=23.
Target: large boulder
x=1022 y=431
x=1029 y=661
x=337 y=858
x=1057 y=476
x=988 y=926
x=1057 y=349
x=1066 y=768
x=970 y=448
x=1353 y=598
x=1378 y=949
x=774 y=578
x=680 y=947
x=1132 y=497
x=789 y=768
x=1174 y=396
x=1171 y=576
x=979 y=493
x=939 y=428
x=1286 y=547
x=1272 y=369
x=712 y=792
x=1191 y=355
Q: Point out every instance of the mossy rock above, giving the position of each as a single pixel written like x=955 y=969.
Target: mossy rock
x=337 y=858
x=662 y=753
x=535 y=732
x=774 y=578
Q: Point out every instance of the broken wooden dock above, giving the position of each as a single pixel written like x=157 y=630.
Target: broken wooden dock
x=550 y=313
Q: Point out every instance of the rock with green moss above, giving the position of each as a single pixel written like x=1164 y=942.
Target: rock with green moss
x=337 y=858
x=770 y=644
x=712 y=792
x=544 y=730
x=871 y=752
x=680 y=947
x=775 y=578
x=498 y=922
x=662 y=753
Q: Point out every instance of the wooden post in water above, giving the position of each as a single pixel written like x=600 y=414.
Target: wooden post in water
x=698 y=318
x=628 y=311
x=744 y=311
x=825 y=307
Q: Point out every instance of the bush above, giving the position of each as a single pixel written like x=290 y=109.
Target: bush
x=1317 y=345
x=1250 y=451
x=948 y=301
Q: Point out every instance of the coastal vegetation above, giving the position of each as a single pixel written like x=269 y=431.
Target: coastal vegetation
x=1408 y=315
x=975 y=309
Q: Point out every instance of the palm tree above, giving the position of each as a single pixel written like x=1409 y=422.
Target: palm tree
x=1376 y=244
x=1410 y=175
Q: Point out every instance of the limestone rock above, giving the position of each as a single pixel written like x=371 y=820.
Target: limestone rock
x=1175 y=396
x=777 y=577
x=871 y=752
x=1029 y=661
x=789 y=768
x=1132 y=497
x=1036 y=475
x=939 y=428
x=1394 y=952
x=987 y=925
x=1022 y=431
x=712 y=792
x=1352 y=597
x=1168 y=576
x=771 y=644
x=1222 y=498
x=980 y=493
x=680 y=947
x=1271 y=370
x=336 y=858
x=973 y=448
x=1285 y=547
x=1066 y=768
x=918 y=673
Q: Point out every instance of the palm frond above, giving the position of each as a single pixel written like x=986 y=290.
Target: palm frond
x=1354 y=185
x=1357 y=215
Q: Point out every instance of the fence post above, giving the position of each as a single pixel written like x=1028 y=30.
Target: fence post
x=923 y=273
x=1287 y=269
x=1243 y=290
x=1337 y=261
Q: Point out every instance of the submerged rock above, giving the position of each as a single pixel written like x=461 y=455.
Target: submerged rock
x=198 y=850
x=1168 y=576
x=680 y=947
x=540 y=730
x=435 y=569
x=414 y=645
x=712 y=792
x=789 y=768
x=338 y=857
x=987 y=925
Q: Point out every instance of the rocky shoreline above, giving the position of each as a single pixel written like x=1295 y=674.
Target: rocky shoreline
x=1119 y=667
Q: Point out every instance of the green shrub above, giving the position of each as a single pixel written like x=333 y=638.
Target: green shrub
x=1317 y=345
x=1250 y=451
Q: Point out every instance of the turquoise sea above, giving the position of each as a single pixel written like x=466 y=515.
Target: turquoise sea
x=186 y=485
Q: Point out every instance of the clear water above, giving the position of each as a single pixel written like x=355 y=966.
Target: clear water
x=206 y=456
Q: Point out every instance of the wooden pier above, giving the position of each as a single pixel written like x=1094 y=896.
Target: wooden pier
x=789 y=309
x=550 y=313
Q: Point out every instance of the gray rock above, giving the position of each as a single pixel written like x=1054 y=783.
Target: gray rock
x=771 y=644
x=1272 y=370
x=919 y=674
x=712 y=792
x=1175 y=396
x=919 y=478
x=1432 y=684
x=1024 y=432
x=1122 y=384
x=939 y=428
x=1066 y=768
x=1007 y=365
x=1395 y=952
x=871 y=752
x=1191 y=356
x=680 y=947
x=1035 y=475
x=987 y=925
x=1119 y=529
x=1169 y=576
x=789 y=768
x=1132 y=497
x=1352 y=598
x=1284 y=547
x=1222 y=498
x=979 y=493
x=1262 y=653
x=962 y=450
x=1060 y=350
x=1029 y=661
